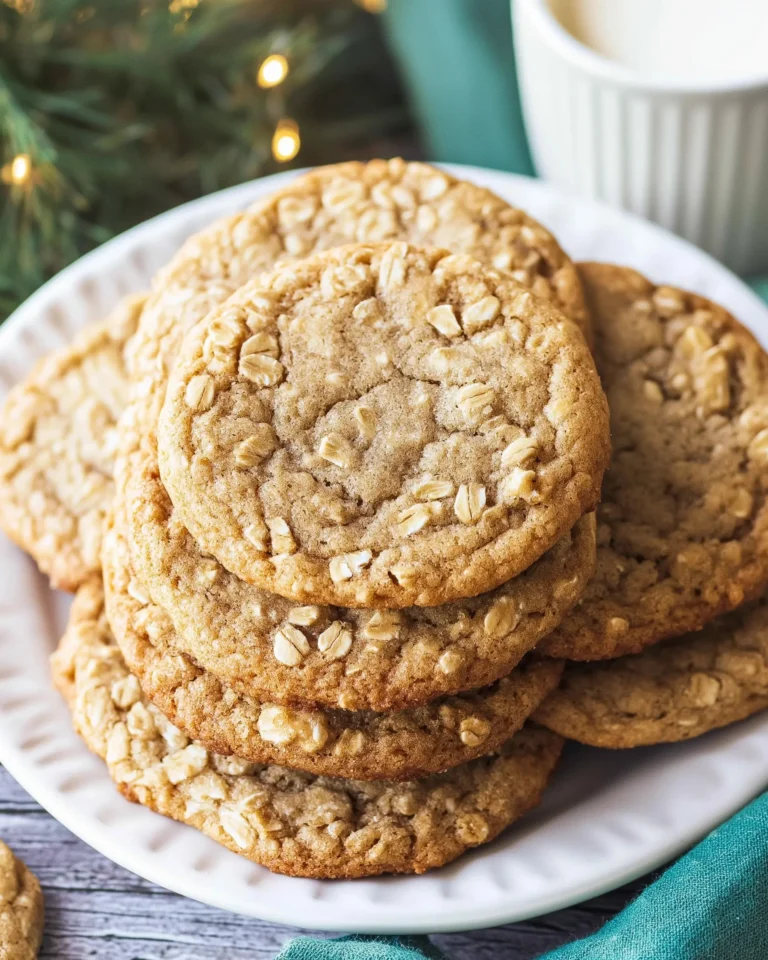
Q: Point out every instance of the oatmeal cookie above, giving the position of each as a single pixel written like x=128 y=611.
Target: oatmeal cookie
x=293 y=823
x=332 y=206
x=339 y=743
x=57 y=447
x=676 y=690
x=382 y=426
x=683 y=524
x=21 y=909
x=272 y=649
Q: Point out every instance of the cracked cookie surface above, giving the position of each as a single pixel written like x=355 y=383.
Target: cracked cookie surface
x=382 y=426
x=683 y=523
x=676 y=690
x=57 y=448
x=21 y=909
x=364 y=746
x=291 y=822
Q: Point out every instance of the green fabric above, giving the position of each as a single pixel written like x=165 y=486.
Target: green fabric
x=711 y=905
x=360 y=948
x=458 y=64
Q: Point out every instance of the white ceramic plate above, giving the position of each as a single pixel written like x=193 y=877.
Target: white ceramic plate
x=609 y=817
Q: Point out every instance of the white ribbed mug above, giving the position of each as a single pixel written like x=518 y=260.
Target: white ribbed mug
x=690 y=157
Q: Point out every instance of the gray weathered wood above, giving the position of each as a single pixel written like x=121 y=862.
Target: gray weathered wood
x=96 y=909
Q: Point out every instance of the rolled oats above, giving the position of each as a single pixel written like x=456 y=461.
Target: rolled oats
x=199 y=393
x=476 y=401
x=335 y=641
x=366 y=421
x=335 y=449
x=281 y=726
x=470 y=502
x=255 y=448
x=348 y=566
x=260 y=343
x=304 y=616
x=433 y=489
x=519 y=451
x=443 y=319
x=261 y=369
x=290 y=645
x=257 y=534
x=478 y=315
x=502 y=618
x=392 y=268
x=282 y=538
x=414 y=518
x=382 y=625
x=473 y=731
x=368 y=311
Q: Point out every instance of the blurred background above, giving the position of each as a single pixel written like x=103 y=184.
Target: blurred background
x=112 y=111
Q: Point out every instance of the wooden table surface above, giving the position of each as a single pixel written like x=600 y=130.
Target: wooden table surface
x=95 y=909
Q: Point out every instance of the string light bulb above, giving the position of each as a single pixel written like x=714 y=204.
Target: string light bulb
x=372 y=6
x=20 y=6
x=286 y=141
x=18 y=171
x=272 y=71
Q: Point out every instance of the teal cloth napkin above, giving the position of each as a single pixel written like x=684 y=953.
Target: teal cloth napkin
x=711 y=905
x=361 y=948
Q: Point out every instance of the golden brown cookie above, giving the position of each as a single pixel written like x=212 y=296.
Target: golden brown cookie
x=21 y=909
x=272 y=649
x=676 y=690
x=683 y=524
x=311 y=214
x=382 y=426
x=339 y=743
x=57 y=447
x=290 y=822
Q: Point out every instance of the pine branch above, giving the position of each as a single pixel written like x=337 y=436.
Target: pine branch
x=127 y=107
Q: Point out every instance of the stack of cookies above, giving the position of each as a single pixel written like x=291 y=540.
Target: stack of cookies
x=325 y=495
